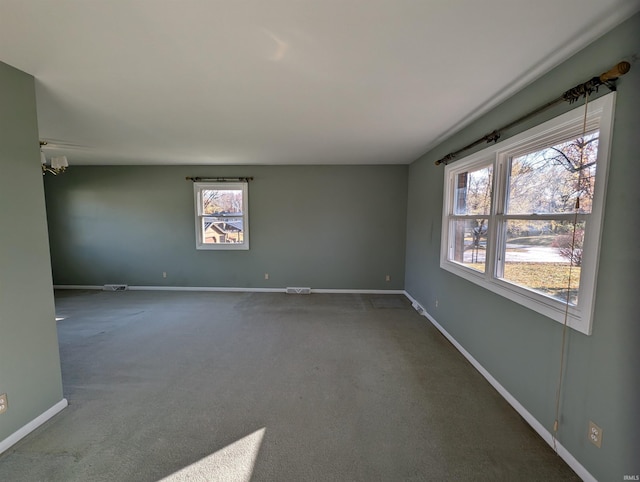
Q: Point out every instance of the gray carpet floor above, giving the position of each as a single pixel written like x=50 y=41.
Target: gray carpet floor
x=270 y=387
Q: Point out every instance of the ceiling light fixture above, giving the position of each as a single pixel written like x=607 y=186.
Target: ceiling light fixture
x=57 y=165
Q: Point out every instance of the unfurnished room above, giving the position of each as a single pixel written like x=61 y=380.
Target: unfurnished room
x=319 y=241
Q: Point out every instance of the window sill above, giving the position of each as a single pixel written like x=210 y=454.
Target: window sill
x=223 y=247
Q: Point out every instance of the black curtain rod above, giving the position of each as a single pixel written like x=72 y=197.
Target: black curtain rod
x=220 y=179
x=581 y=90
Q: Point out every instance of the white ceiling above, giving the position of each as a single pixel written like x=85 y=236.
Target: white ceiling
x=281 y=81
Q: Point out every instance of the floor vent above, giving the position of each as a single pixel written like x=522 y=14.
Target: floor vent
x=418 y=308
x=114 y=288
x=298 y=291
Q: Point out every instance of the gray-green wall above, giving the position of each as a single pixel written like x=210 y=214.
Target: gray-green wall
x=29 y=359
x=340 y=227
x=520 y=348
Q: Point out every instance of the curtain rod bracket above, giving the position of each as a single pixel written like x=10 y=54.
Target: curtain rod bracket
x=493 y=137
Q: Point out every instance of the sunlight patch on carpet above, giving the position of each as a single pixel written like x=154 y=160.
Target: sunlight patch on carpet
x=233 y=463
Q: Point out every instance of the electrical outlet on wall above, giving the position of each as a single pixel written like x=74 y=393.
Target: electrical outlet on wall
x=387 y=278
x=266 y=276
x=595 y=434
x=3 y=403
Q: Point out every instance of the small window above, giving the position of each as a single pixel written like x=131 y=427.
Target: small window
x=522 y=218
x=222 y=220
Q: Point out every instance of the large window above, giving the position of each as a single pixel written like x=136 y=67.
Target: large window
x=523 y=217
x=222 y=220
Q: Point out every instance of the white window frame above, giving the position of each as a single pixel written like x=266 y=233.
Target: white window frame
x=198 y=187
x=600 y=116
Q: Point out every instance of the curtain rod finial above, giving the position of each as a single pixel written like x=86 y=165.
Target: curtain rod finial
x=616 y=71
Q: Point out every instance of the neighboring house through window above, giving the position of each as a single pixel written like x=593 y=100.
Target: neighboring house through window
x=222 y=220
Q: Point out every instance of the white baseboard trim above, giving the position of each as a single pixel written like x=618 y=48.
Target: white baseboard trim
x=77 y=287
x=31 y=426
x=358 y=292
x=205 y=288
x=564 y=454
x=231 y=289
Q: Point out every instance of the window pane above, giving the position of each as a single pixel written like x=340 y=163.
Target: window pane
x=226 y=230
x=469 y=239
x=222 y=201
x=473 y=191
x=549 y=180
x=539 y=254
